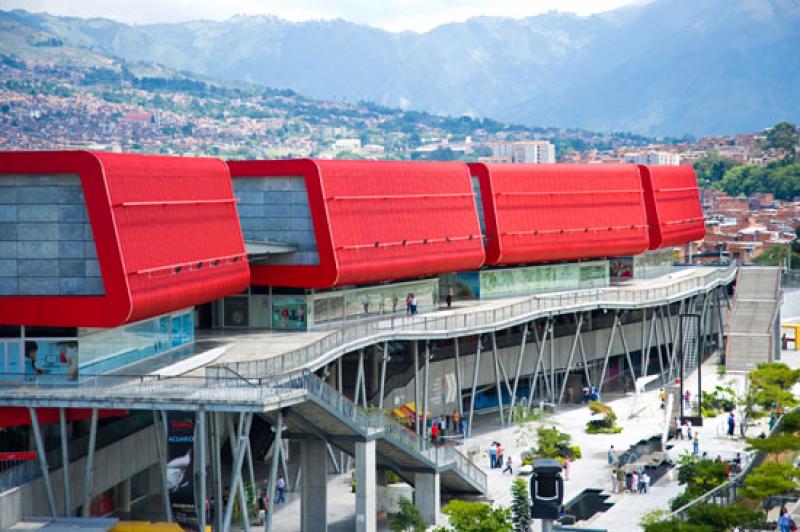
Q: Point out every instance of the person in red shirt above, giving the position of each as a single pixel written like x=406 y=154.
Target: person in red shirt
x=434 y=433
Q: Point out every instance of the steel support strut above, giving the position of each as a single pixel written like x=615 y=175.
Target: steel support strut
x=62 y=421
x=87 y=481
x=520 y=358
x=497 y=379
x=37 y=434
x=578 y=326
x=608 y=353
x=475 y=371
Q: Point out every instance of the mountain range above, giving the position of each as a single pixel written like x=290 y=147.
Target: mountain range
x=665 y=67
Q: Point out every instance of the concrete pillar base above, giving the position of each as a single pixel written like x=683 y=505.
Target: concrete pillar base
x=314 y=486
x=427 y=496
x=366 y=488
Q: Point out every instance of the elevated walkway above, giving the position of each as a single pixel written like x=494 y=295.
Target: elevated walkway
x=487 y=317
x=751 y=333
x=310 y=407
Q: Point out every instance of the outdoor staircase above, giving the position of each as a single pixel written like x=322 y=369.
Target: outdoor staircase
x=326 y=411
x=751 y=332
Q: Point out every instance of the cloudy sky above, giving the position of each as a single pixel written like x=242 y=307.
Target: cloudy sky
x=394 y=15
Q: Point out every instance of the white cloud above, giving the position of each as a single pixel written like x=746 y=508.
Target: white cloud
x=394 y=15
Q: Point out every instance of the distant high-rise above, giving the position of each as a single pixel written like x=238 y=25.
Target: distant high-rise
x=654 y=158
x=528 y=151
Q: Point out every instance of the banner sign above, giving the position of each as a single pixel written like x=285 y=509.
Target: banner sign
x=180 y=473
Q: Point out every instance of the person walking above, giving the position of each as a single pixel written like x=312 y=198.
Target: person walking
x=464 y=426
x=499 y=455
x=678 y=429
x=449 y=298
x=492 y=456
x=785 y=520
x=662 y=396
x=687 y=400
x=281 y=485
x=565 y=465
x=413 y=303
x=508 y=467
x=731 y=424
x=634 y=482
x=456 y=417
x=688 y=429
x=645 y=482
x=614 y=481
x=696 y=443
x=612 y=455
x=408 y=304
x=435 y=434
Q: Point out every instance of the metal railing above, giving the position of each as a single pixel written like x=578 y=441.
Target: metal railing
x=377 y=423
x=77 y=447
x=353 y=336
x=728 y=492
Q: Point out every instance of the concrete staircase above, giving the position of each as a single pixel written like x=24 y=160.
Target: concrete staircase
x=751 y=332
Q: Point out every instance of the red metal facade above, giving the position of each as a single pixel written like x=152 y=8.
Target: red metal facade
x=378 y=220
x=166 y=232
x=552 y=212
x=18 y=416
x=674 y=212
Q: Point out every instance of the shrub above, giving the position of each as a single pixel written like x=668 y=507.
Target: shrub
x=723 y=517
x=555 y=444
x=408 y=518
x=476 y=517
x=604 y=425
x=393 y=478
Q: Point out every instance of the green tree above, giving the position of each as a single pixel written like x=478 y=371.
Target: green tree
x=711 y=167
x=776 y=256
x=770 y=479
x=407 y=518
x=743 y=179
x=784 y=136
x=521 y=506
x=476 y=517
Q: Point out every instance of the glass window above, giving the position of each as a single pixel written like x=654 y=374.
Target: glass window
x=289 y=313
x=236 y=311
x=260 y=311
x=57 y=358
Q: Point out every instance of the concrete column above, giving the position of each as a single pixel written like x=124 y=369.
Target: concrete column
x=313 y=501
x=122 y=496
x=427 y=496
x=366 y=488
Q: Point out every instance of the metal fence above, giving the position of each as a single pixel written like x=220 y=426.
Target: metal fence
x=728 y=493
x=354 y=336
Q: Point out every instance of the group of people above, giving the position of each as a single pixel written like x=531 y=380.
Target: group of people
x=411 y=304
x=636 y=482
x=440 y=424
x=590 y=394
x=496 y=458
x=263 y=497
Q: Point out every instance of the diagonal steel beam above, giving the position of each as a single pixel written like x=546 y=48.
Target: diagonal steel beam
x=497 y=379
x=578 y=327
x=236 y=476
x=520 y=358
x=475 y=371
x=608 y=353
x=40 y=450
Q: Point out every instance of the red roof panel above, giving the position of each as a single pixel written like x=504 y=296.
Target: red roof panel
x=165 y=229
x=674 y=212
x=378 y=220
x=552 y=212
